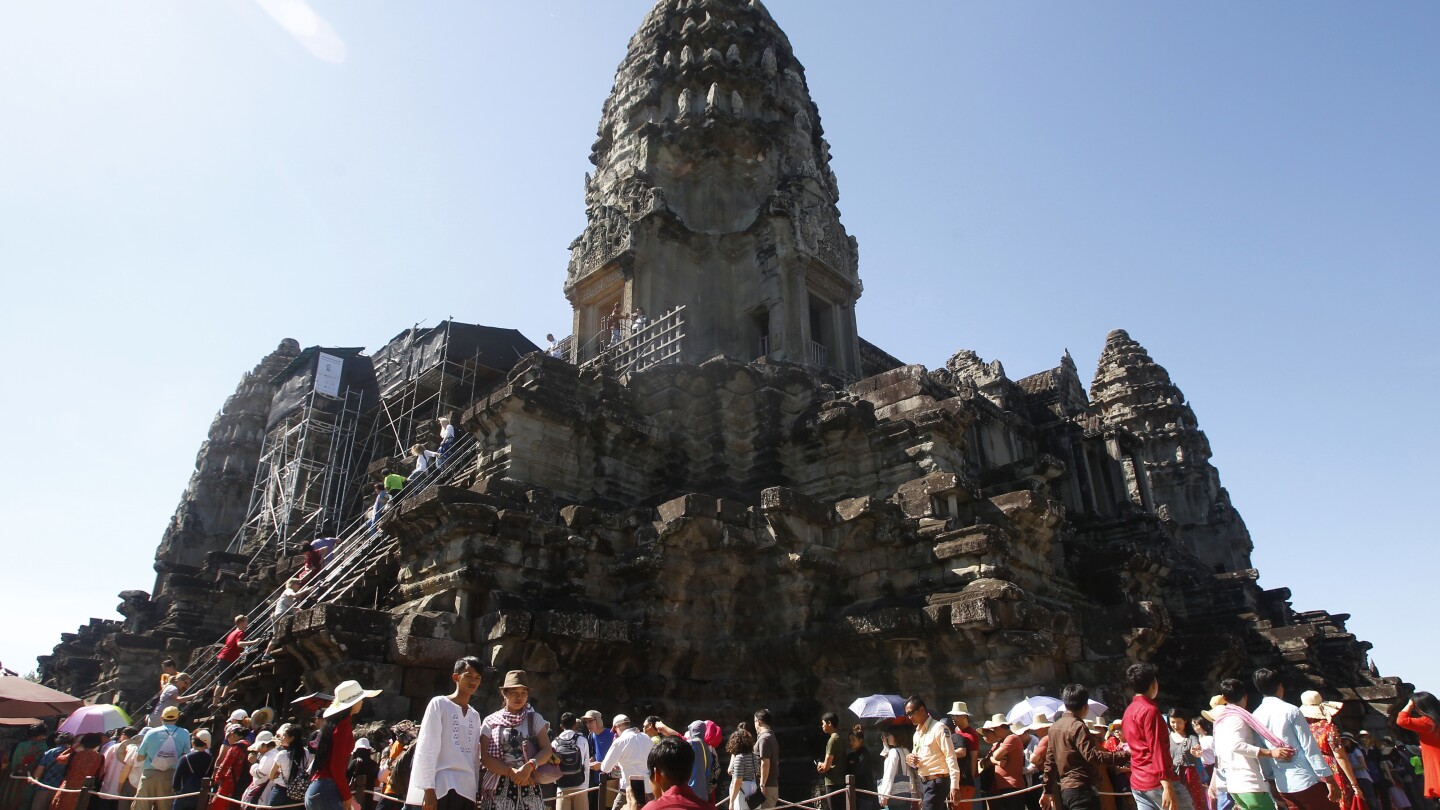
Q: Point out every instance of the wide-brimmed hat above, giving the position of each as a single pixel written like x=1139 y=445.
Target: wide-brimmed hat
x=1216 y=701
x=347 y=694
x=995 y=721
x=515 y=679
x=170 y=715
x=264 y=738
x=363 y=744
x=1314 y=707
x=263 y=717
x=959 y=709
x=1040 y=723
x=594 y=714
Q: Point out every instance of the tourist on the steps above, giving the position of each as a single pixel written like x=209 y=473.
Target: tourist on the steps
x=193 y=770
x=444 y=772
x=1318 y=713
x=933 y=758
x=670 y=763
x=638 y=320
x=377 y=508
x=1304 y=781
x=1153 y=781
x=291 y=764
x=742 y=769
x=767 y=752
x=1238 y=749
x=1073 y=757
x=628 y=756
x=228 y=659
x=1422 y=716
x=231 y=768
x=423 y=458
x=83 y=761
x=159 y=755
x=168 y=670
x=394 y=482
x=172 y=694
x=616 y=319
x=447 y=441
x=515 y=741
x=329 y=789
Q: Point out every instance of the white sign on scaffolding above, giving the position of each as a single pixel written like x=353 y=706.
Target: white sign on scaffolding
x=327 y=374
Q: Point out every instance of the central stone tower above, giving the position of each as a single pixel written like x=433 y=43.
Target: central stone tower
x=712 y=190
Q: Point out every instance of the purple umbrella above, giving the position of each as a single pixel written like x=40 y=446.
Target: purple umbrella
x=100 y=719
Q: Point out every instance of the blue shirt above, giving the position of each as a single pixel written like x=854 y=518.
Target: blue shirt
x=599 y=746
x=54 y=769
x=1307 y=767
x=150 y=746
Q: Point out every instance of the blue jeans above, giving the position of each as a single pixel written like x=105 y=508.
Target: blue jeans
x=323 y=795
x=1150 y=799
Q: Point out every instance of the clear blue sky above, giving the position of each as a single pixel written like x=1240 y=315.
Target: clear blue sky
x=1252 y=190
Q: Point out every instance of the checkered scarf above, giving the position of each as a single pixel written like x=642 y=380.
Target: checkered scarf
x=491 y=731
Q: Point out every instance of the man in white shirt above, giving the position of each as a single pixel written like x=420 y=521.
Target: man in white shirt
x=1305 y=780
x=445 y=774
x=1237 y=753
x=933 y=758
x=630 y=753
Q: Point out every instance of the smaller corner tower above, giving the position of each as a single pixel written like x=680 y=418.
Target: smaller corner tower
x=1134 y=392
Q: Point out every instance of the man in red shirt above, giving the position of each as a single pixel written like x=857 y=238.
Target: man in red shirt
x=1009 y=760
x=228 y=658
x=670 y=763
x=1152 y=774
x=967 y=748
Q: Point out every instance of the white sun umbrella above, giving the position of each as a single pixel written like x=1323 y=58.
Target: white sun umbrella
x=1024 y=712
x=1097 y=709
x=886 y=707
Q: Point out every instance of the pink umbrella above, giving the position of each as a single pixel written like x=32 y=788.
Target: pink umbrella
x=95 y=719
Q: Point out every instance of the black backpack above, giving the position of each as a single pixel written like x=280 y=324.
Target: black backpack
x=572 y=766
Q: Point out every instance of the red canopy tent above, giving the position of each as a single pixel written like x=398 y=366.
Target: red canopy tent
x=22 y=699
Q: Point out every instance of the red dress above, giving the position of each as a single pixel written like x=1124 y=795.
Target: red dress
x=228 y=773
x=1429 y=735
x=1329 y=740
x=83 y=764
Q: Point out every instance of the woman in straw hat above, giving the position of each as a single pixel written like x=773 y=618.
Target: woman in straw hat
x=1319 y=713
x=515 y=742
x=329 y=789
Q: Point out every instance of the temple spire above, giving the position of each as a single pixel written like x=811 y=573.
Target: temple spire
x=712 y=190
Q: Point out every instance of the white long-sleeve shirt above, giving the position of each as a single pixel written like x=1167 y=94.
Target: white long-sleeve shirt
x=447 y=752
x=1237 y=755
x=899 y=779
x=630 y=753
x=1307 y=767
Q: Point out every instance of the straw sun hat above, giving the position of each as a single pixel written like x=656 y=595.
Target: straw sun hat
x=347 y=694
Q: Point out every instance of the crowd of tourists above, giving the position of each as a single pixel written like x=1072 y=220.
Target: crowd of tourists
x=1250 y=749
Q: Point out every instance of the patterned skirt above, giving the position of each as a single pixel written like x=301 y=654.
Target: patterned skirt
x=510 y=796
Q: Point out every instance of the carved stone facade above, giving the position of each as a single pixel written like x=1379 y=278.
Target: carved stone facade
x=704 y=538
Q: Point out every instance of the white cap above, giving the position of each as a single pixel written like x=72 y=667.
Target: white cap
x=238 y=715
x=619 y=720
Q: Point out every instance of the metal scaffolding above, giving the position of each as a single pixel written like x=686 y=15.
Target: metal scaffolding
x=308 y=479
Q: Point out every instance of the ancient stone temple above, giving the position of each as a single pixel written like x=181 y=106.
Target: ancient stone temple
x=778 y=514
